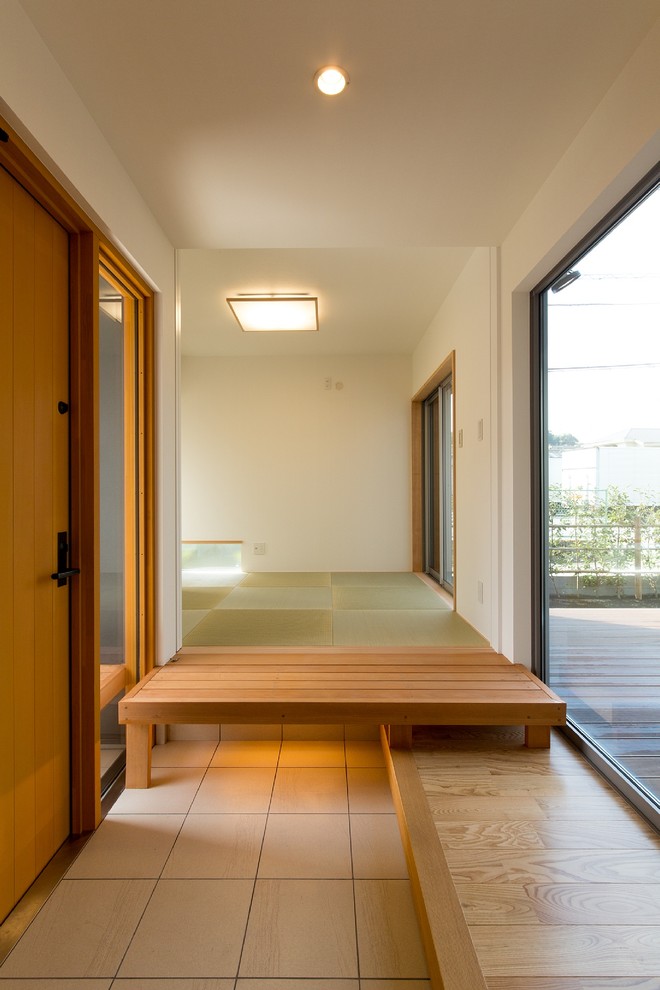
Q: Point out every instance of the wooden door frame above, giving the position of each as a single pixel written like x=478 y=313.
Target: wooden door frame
x=87 y=243
x=442 y=372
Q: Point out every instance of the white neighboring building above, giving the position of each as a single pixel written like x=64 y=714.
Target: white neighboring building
x=629 y=461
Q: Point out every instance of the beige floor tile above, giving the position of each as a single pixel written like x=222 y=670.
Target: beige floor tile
x=301 y=928
x=83 y=930
x=129 y=846
x=234 y=790
x=171 y=793
x=190 y=928
x=312 y=753
x=306 y=846
x=302 y=790
x=191 y=984
x=298 y=985
x=217 y=846
x=247 y=753
x=183 y=753
x=364 y=754
x=376 y=847
x=250 y=732
x=389 y=943
x=363 y=732
x=187 y=733
x=313 y=732
x=56 y=985
x=369 y=791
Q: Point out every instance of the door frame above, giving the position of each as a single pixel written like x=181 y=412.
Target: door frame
x=87 y=243
x=445 y=370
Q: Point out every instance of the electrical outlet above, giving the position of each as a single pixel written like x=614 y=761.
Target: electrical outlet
x=327 y=384
x=258 y=549
x=460 y=438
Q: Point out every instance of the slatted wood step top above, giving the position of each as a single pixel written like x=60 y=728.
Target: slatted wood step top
x=405 y=688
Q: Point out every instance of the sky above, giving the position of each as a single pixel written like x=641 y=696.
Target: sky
x=604 y=334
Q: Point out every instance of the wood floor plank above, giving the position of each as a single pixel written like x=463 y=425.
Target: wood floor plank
x=485 y=785
x=562 y=950
x=554 y=865
x=574 y=983
x=521 y=834
x=561 y=904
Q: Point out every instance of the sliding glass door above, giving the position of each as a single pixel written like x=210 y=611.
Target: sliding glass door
x=599 y=601
x=439 y=485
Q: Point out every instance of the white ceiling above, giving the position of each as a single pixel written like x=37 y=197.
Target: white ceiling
x=371 y=300
x=456 y=112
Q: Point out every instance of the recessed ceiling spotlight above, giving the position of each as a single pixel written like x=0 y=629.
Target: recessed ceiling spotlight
x=331 y=80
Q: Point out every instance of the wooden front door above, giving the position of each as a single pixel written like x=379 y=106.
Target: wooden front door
x=34 y=508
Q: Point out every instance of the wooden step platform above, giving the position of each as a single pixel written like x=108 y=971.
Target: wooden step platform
x=399 y=689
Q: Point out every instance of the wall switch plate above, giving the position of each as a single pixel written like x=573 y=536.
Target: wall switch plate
x=258 y=549
x=480 y=592
x=327 y=384
x=460 y=438
x=480 y=429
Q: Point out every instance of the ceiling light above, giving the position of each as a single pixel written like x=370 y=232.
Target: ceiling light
x=274 y=312
x=331 y=80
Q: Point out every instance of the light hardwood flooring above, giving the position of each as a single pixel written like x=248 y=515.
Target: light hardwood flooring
x=249 y=865
x=558 y=877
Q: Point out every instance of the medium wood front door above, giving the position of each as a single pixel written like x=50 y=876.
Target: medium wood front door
x=34 y=509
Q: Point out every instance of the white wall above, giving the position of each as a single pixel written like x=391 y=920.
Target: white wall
x=321 y=476
x=464 y=324
x=38 y=100
x=615 y=148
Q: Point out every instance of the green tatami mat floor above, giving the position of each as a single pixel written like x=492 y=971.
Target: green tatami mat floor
x=323 y=609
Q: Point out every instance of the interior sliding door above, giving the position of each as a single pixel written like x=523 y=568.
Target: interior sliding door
x=438 y=430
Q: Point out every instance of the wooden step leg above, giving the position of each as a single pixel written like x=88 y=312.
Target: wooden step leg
x=138 y=755
x=400 y=736
x=537 y=736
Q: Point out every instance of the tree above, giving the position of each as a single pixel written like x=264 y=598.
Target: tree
x=562 y=440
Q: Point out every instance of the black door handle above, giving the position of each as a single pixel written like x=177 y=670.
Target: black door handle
x=61 y=576
x=63 y=572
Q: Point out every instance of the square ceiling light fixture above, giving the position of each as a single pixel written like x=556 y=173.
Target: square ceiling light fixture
x=292 y=312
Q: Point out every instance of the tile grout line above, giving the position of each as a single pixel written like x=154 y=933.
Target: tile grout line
x=258 y=864
x=350 y=843
x=159 y=877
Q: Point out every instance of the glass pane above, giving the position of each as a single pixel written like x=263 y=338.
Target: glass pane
x=208 y=564
x=448 y=484
x=433 y=565
x=603 y=474
x=118 y=470
x=111 y=466
x=439 y=485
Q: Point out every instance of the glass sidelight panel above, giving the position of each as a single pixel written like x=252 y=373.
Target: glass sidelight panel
x=439 y=485
x=600 y=357
x=119 y=470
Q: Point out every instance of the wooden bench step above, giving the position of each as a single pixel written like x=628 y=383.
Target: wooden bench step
x=402 y=688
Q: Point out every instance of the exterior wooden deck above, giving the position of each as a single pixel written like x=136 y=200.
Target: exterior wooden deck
x=605 y=663
x=399 y=689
